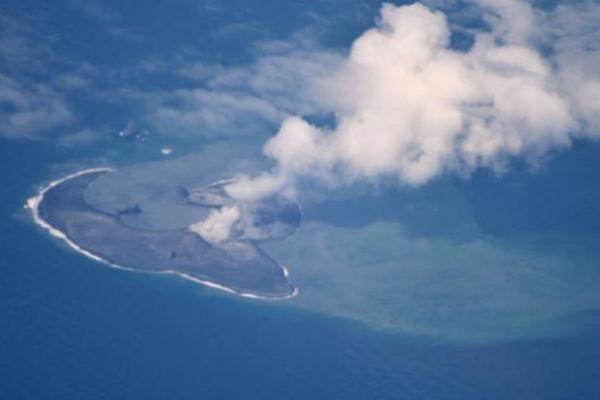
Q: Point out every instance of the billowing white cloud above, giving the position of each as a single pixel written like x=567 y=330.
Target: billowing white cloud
x=574 y=34
x=408 y=105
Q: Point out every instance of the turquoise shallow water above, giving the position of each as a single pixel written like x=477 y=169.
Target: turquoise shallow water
x=478 y=289
x=73 y=329
x=491 y=259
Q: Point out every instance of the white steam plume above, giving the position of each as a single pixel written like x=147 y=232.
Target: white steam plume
x=216 y=228
x=409 y=106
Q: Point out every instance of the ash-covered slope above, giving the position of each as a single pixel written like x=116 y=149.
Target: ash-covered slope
x=238 y=266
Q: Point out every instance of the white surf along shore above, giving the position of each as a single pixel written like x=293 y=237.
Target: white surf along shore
x=34 y=202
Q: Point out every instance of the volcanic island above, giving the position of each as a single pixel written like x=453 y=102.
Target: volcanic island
x=119 y=237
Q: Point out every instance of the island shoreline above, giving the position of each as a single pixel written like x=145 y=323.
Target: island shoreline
x=34 y=202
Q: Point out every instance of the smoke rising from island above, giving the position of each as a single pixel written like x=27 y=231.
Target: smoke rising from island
x=408 y=105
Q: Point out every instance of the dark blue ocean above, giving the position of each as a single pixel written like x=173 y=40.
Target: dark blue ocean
x=524 y=326
x=74 y=329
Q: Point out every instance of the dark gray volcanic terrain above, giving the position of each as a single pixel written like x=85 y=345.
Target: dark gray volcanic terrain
x=238 y=265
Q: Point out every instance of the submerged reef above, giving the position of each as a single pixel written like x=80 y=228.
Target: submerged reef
x=120 y=237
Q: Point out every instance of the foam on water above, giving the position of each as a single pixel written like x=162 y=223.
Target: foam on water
x=34 y=202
